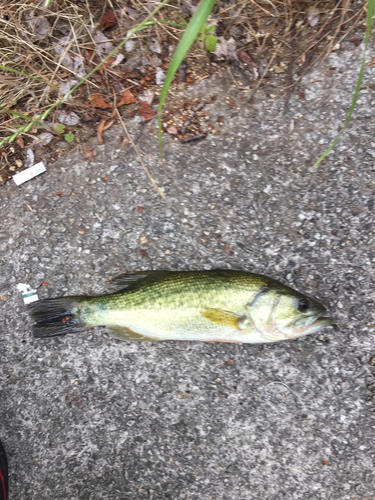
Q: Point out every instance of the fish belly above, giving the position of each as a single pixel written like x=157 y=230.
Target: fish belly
x=186 y=325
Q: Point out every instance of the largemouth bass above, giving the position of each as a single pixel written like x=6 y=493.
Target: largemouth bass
x=214 y=306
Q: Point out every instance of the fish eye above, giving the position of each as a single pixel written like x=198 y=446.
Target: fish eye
x=303 y=305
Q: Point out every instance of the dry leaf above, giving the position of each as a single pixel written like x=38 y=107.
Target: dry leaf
x=106 y=64
x=43 y=139
x=20 y=142
x=226 y=49
x=74 y=62
x=172 y=130
x=245 y=58
x=146 y=112
x=102 y=127
x=100 y=131
x=103 y=45
x=143 y=240
x=127 y=98
x=90 y=155
x=108 y=20
x=64 y=87
x=97 y=100
x=37 y=23
x=63 y=26
x=68 y=118
x=81 y=230
x=108 y=125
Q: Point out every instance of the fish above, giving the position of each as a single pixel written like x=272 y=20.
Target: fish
x=212 y=306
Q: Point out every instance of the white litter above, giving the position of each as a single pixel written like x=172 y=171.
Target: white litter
x=160 y=76
x=154 y=45
x=43 y=139
x=29 y=161
x=29 y=173
x=129 y=46
x=28 y=294
x=70 y=118
x=118 y=60
x=313 y=16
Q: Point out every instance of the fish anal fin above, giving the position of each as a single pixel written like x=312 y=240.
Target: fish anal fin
x=225 y=341
x=124 y=333
x=126 y=280
x=225 y=318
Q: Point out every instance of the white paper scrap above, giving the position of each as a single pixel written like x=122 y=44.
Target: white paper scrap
x=28 y=294
x=29 y=173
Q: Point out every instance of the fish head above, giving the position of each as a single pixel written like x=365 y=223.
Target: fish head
x=295 y=315
x=279 y=313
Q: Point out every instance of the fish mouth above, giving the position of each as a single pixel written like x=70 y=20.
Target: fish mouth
x=318 y=324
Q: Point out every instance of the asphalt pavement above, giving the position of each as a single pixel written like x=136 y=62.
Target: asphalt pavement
x=91 y=418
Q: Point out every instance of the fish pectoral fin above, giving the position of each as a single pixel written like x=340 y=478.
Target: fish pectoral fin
x=124 y=333
x=225 y=318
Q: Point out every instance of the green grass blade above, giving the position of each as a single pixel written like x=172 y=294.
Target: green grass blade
x=19 y=115
x=192 y=31
x=370 y=13
x=14 y=113
x=6 y=68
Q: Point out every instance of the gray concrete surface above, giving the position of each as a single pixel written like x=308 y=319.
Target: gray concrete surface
x=89 y=417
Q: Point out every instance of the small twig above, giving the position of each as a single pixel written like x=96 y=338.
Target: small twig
x=120 y=266
x=263 y=9
x=40 y=75
x=194 y=138
x=138 y=153
x=343 y=13
x=264 y=73
x=310 y=63
x=290 y=82
x=231 y=75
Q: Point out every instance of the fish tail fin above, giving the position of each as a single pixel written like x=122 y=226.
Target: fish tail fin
x=58 y=316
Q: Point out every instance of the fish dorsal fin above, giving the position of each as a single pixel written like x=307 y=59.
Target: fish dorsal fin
x=225 y=318
x=124 y=333
x=126 y=280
